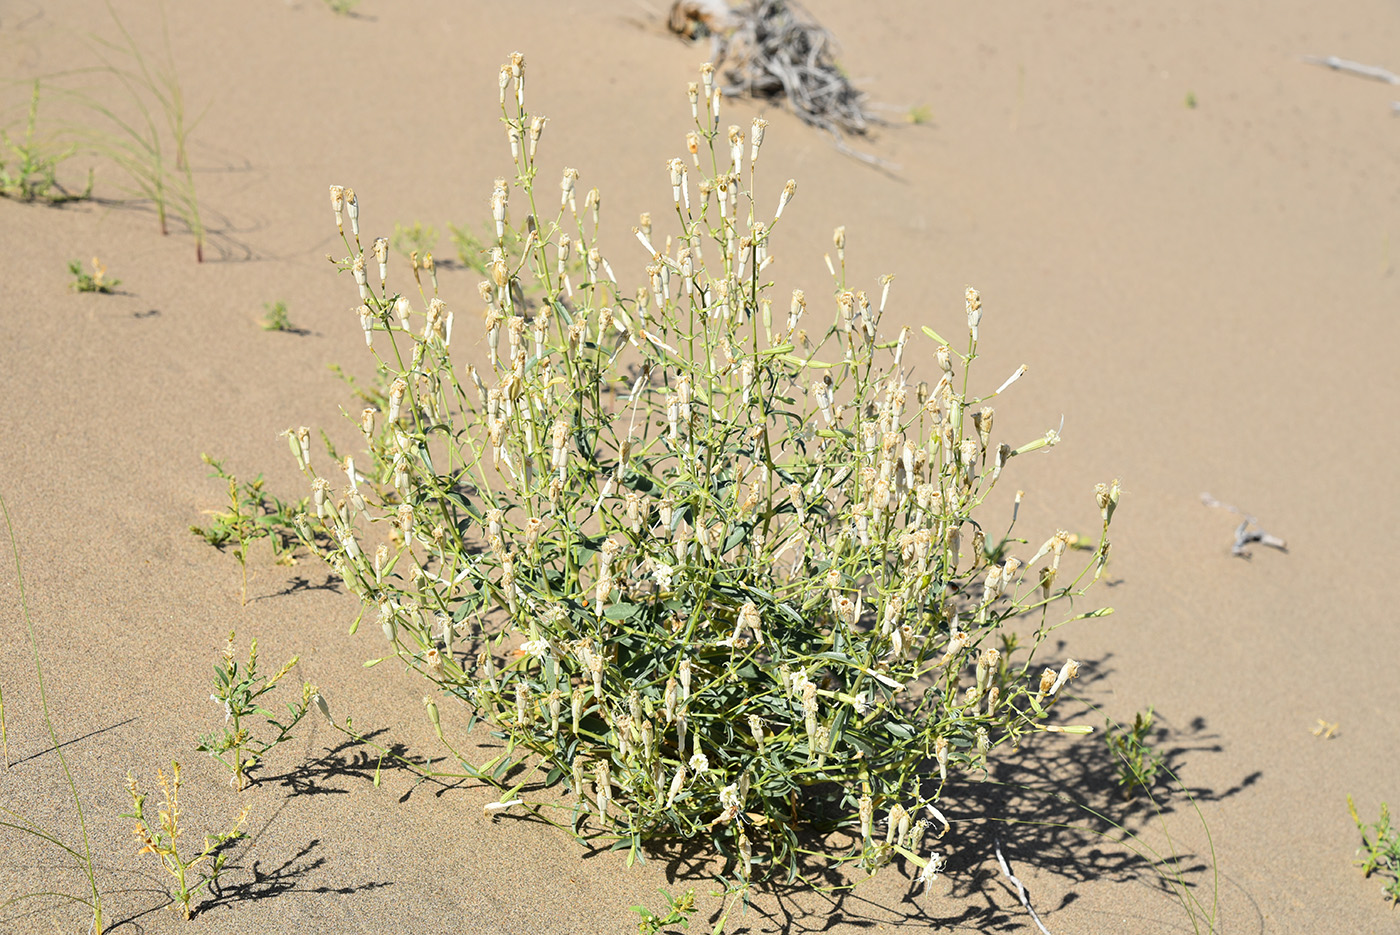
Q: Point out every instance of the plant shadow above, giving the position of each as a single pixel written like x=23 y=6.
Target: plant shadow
x=292 y=875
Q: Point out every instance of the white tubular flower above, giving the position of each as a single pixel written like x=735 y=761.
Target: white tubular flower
x=930 y=870
x=352 y=208
x=397 y=389
x=498 y=205
x=974 y=311
x=677 y=784
x=491 y=808
x=361 y=278
x=756 y=728
x=699 y=762
x=602 y=782
x=677 y=169
x=750 y=618
x=566 y=187
x=789 y=190
x=1070 y=670
x=338 y=205
x=756 y=131
x=577 y=768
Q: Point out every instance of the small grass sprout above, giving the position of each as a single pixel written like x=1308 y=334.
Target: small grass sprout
x=342 y=7
x=29 y=166
x=1380 y=849
x=96 y=281
x=162 y=839
x=1137 y=763
x=252 y=514
x=239 y=689
x=716 y=570
x=677 y=911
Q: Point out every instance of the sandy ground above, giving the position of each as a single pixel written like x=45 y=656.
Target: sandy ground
x=1208 y=295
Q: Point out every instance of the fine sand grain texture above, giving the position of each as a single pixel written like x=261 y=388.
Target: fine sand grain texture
x=1207 y=294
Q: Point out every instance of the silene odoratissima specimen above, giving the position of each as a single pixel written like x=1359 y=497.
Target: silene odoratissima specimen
x=714 y=567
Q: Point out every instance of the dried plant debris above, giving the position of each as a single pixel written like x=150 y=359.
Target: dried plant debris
x=696 y=19
x=1248 y=531
x=776 y=51
x=1353 y=68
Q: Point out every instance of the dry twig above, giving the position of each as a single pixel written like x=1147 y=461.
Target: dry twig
x=1243 y=534
x=1354 y=68
x=1020 y=890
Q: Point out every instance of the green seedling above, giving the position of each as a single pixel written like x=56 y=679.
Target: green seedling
x=276 y=318
x=342 y=7
x=96 y=281
x=1137 y=763
x=677 y=911
x=1380 y=849
x=30 y=171
x=919 y=115
x=239 y=689
x=192 y=874
x=252 y=514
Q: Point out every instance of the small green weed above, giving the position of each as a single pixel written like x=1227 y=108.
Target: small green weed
x=238 y=690
x=33 y=173
x=96 y=281
x=420 y=238
x=1381 y=853
x=678 y=912
x=276 y=318
x=162 y=840
x=919 y=115
x=253 y=514
x=1191 y=100
x=1138 y=763
x=342 y=7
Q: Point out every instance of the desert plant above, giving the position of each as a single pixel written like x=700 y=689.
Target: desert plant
x=96 y=281
x=252 y=514
x=730 y=574
x=417 y=237
x=80 y=854
x=342 y=7
x=33 y=175
x=1380 y=849
x=162 y=839
x=276 y=318
x=678 y=911
x=1137 y=762
x=239 y=690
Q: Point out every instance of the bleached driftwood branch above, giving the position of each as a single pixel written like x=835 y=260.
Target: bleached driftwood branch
x=1244 y=535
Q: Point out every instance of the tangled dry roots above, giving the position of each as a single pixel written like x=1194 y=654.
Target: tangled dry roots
x=775 y=50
